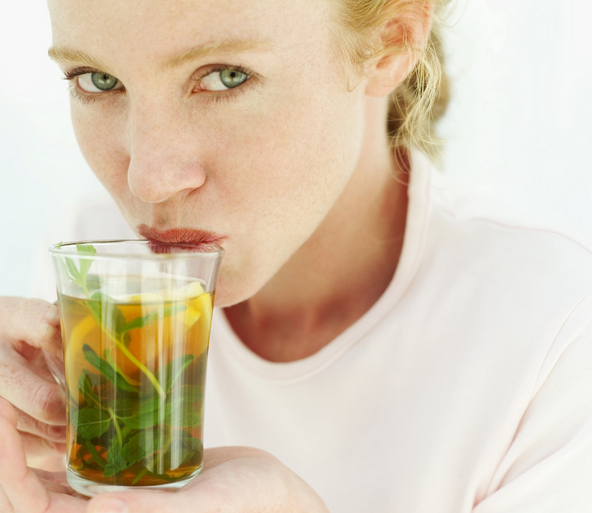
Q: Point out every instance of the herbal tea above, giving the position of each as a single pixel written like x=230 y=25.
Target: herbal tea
x=135 y=369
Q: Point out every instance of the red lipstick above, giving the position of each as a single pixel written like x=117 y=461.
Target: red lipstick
x=189 y=236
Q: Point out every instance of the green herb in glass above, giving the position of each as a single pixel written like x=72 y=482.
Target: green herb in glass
x=136 y=372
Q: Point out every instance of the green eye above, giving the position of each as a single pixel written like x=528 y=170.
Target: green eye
x=232 y=77
x=103 y=82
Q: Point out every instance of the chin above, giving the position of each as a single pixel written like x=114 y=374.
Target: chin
x=230 y=292
x=234 y=288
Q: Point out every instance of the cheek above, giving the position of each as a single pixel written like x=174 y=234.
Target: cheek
x=100 y=137
x=294 y=153
x=278 y=171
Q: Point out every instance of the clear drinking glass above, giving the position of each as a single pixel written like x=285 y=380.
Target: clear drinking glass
x=135 y=322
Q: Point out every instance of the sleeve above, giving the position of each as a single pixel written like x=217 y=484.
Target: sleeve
x=548 y=466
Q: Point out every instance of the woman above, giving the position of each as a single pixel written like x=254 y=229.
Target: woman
x=377 y=350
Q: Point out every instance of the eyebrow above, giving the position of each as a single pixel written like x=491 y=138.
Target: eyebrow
x=224 y=46
x=68 y=54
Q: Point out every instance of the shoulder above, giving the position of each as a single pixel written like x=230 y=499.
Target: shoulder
x=508 y=282
x=527 y=257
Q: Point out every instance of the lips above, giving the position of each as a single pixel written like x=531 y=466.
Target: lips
x=162 y=239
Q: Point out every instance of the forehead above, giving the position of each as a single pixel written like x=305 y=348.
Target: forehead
x=163 y=28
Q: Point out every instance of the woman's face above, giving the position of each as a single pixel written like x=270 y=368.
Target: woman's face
x=229 y=116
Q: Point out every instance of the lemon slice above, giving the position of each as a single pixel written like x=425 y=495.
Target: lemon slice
x=190 y=290
x=146 y=298
x=200 y=302
x=198 y=305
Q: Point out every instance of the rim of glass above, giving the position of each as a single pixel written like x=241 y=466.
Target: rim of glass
x=208 y=250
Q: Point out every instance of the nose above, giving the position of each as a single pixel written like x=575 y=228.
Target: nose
x=164 y=155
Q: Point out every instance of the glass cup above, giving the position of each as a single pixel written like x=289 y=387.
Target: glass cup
x=135 y=319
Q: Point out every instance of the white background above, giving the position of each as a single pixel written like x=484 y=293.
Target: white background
x=519 y=128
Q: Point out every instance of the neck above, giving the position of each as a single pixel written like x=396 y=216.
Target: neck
x=338 y=274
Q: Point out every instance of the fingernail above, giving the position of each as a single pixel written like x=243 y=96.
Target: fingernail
x=110 y=506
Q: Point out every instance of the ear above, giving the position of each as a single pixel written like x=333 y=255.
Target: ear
x=403 y=39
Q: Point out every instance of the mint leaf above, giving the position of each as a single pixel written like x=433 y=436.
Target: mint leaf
x=134 y=449
x=107 y=311
x=92 y=450
x=161 y=313
x=189 y=418
x=79 y=275
x=85 y=387
x=175 y=368
x=179 y=454
x=93 y=282
x=85 y=263
x=193 y=443
x=86 y=249
x=186 y=455
x=106 y=369
x=94 y=379
x=92 y=423
x=72 y=270
x=181 y=413
x=190 y=393
x=113 y=467
x=142 y=416
x=115 y=460
x=178 y=411
x=107 y=356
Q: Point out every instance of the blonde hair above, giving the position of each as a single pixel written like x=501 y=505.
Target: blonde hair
x=422 y=98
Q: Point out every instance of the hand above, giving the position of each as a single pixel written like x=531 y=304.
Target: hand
x=27 y=326
x=234 y=480
x=24 y=490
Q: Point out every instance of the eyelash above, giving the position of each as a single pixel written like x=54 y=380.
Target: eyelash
x=76 y=93
x=218 y=97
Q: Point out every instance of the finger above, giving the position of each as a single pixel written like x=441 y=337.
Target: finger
x=8 y=412
x=55 y=482
x=20 y=384
x=22 y=488
x=5 y=505
x=54 y=477
x=32 y=426
x=34 y=321
x=39 y=450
